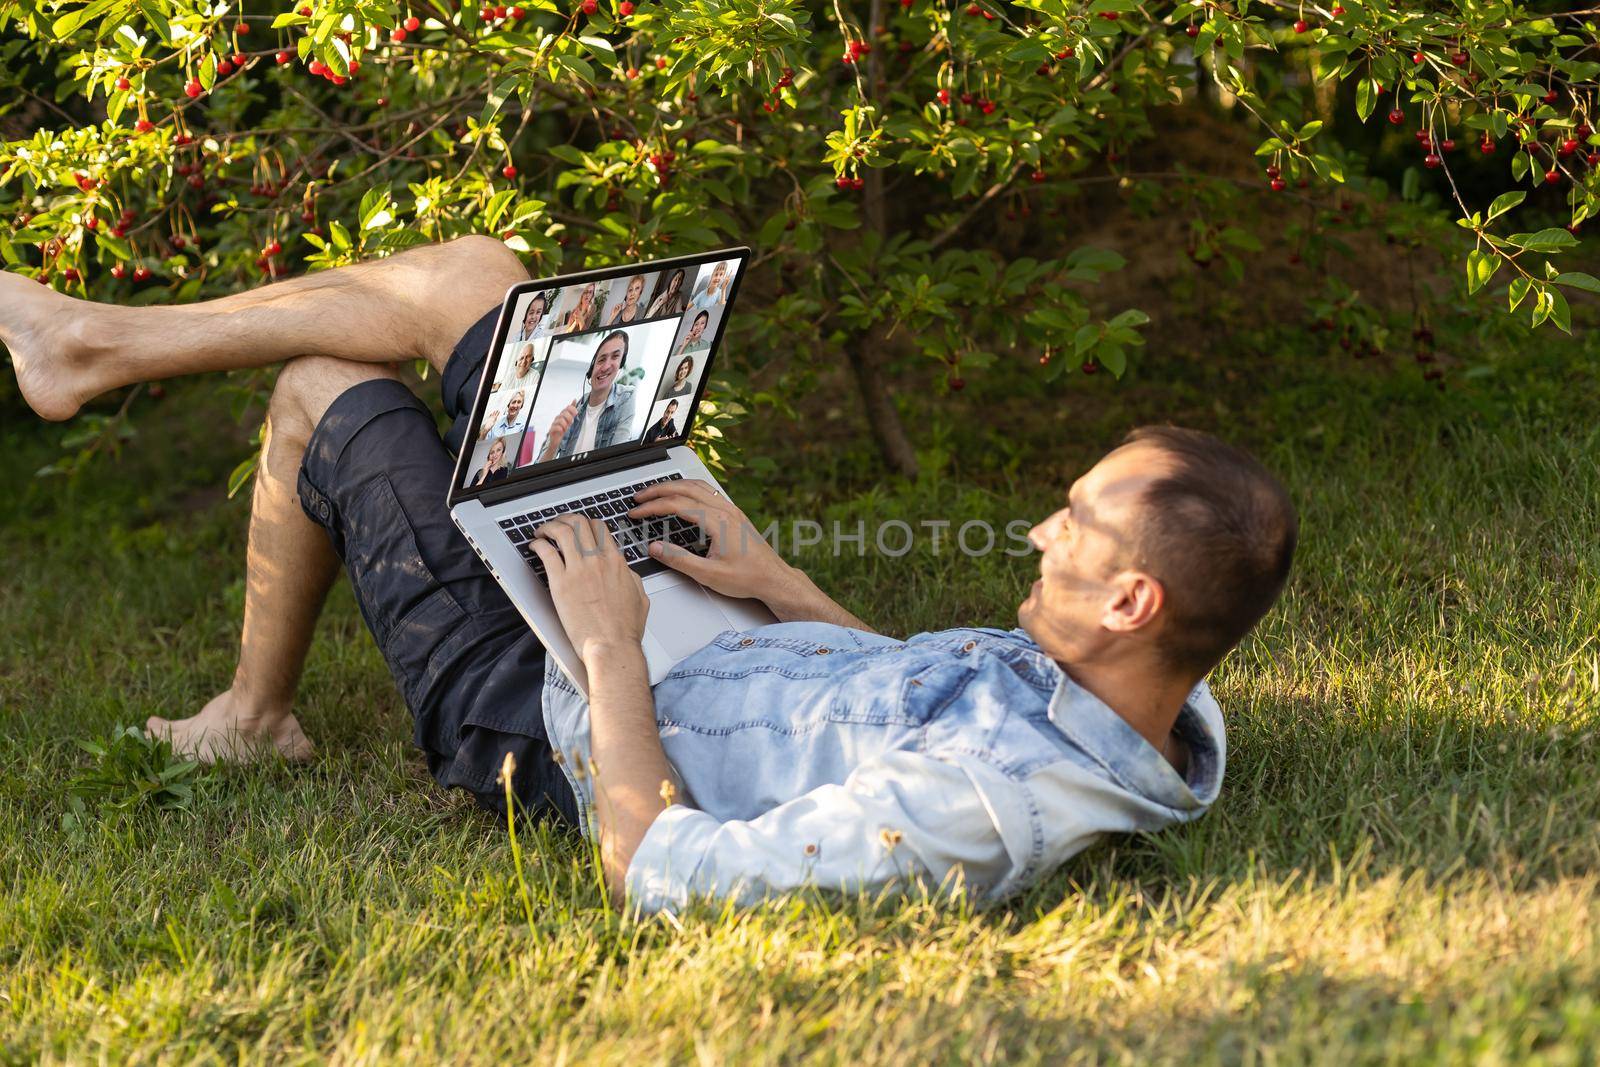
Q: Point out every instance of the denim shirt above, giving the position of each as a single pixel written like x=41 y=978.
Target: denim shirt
x=815 y=755
x=615 y=416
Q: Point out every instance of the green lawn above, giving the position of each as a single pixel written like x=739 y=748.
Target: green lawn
x=1403 y=864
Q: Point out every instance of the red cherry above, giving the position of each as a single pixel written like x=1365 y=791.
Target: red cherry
x=182 y=139
x=501 y=11
x=273 y=248
x=591 y=6
x=625 y=8
x=966 y=98
x=70 y=274
x=1110 y=16
x=305 y=10
x=86 y=183
x=1569 y=146
x=1397 y=116
x=986 y=106
x=144 y=126
x=91 y=223
x=240 y=59
x=1193 y=30
x=317 y=67
x=412 y=24
x=957 y=384
x=1336 y=11
x=1552 y=96
x=661 y=63
x=1448 y=144
x=397 y=35
x=1301 y=25
x=1552 y=176
x=1583 y=131
x=1272 y=170
x=509 y=171
x=905 y=3
x=196 y=181
x=123 y=84
x=516 y=13
x=1089 y=366
x=944 y=96
x=1486 y=146
x=1459 y=58
x=337 y=79
x=858 y=184
x=974 y=9
x=224 y=69
x=633 y=73
x=1037 y=176
x=141 y=274
x=1278 y=185
x=193 y=88
x=157 y=391
x=1593 y=158
x=1431 y=160
x=118 y=271
x=842 y=182
x=355 y=67
x=283 y=57
x=1067 y=52
x=178 y=241
x=1418 y=58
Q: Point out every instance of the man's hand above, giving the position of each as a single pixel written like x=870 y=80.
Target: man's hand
x=740 y=563
x=600 y=601
x=558 y=428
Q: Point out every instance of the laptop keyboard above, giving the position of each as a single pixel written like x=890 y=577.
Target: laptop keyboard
x=633 y=536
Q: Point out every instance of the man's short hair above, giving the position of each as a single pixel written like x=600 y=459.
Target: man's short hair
x=1219 y=532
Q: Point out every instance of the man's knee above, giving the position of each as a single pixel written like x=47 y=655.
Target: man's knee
x=307 y=386
x=486 y=259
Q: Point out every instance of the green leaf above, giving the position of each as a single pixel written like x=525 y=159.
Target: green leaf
x=1553 y=239
x=1505 y=202
x=1366 y=99
x=241 y=474
x=1518 y=292
x=1481 y=266
x=1560 y=313
x=1113 y=358
x=1579 y=280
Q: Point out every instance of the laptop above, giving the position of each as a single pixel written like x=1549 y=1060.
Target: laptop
x=589 y=394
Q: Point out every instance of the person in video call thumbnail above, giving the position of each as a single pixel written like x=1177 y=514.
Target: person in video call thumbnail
x=671 y=300
x=522 y=369
x=695 y=340
x=665 y=429
x=538 y=307
x=607 y=413
x=629 y=310
x=681 y=383
x=714 y=293
x=494 y=465
x=509 y=425
x=585 y=314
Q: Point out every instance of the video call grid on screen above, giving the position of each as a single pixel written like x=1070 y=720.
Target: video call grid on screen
x=540 y=405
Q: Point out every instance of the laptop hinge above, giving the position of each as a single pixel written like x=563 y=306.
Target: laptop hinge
x=580 y=473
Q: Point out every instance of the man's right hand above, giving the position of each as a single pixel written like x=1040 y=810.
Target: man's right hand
x=739 y=563
x=558 y=428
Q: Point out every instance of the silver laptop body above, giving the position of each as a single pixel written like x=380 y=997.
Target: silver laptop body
x=550 y=332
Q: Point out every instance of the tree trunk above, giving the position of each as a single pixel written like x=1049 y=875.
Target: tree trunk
x=866 y=356
x=888 y=432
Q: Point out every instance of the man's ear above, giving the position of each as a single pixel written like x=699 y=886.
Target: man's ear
x=1136 y=599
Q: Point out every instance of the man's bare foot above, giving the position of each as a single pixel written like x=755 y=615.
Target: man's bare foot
x=226 y=730
x=44 y=330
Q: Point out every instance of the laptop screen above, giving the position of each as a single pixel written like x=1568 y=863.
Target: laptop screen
x=597 y=364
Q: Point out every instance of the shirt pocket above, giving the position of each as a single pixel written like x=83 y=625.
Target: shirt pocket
x=890 y=692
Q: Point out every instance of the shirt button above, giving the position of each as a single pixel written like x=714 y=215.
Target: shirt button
x=969 y=646
x=747 y=642
x=822 y=651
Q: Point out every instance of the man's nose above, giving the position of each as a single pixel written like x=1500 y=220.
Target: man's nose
x=1037 y=538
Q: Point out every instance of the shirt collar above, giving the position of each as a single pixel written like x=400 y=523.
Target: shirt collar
x=1132 y=761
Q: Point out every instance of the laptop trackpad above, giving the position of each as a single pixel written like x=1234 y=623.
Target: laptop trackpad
x=683 y=618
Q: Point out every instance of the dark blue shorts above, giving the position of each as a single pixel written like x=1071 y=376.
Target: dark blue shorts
x=375 y=475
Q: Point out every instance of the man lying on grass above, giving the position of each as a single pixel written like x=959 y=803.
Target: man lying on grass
x=809 y=752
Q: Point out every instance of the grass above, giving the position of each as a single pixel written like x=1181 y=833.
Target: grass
x=1404 y=864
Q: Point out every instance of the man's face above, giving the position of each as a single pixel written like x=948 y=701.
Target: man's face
x=607 y=362
x=514 y=407
x=525 y=362
x=672 y=409
x=1089 y=557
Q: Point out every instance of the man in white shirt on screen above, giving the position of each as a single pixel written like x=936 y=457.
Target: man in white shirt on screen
x=606 y=417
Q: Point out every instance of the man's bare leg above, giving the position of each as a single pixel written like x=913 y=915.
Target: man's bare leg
x=415 y=305
x=288 y=570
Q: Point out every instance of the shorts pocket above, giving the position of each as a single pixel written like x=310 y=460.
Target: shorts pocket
x=419 y=644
